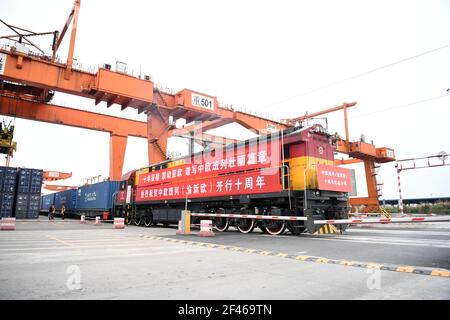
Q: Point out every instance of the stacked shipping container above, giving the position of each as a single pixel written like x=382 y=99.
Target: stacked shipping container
x=28 y=195
x=8 y=181
x=20 y=192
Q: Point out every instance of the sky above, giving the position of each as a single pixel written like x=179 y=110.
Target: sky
x=264 y=56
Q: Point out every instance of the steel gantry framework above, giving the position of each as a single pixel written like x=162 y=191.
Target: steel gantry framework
x=28 y=82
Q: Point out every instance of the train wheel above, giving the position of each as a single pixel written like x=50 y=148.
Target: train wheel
x=246 y=225
x=221 y=224
x=137 y=221
x=148 y=221
x=275 y=227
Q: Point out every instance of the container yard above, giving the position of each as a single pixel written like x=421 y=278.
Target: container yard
x=289 y=201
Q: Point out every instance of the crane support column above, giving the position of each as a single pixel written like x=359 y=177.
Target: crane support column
x=369 y=167
x=157 y=134
x=117 y=147
x=371 y=202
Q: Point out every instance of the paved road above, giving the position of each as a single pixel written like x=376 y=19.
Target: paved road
x=411 y=244
x=40 y=260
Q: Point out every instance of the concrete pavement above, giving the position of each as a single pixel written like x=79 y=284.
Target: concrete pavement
x=68 y=260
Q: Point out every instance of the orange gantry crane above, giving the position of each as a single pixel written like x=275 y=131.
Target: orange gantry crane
x=358 y=151
x=28 y=82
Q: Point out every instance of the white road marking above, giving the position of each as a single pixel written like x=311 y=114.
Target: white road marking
x=390 y=241
x=400 y=232
x=72 y=258
x=79 y=247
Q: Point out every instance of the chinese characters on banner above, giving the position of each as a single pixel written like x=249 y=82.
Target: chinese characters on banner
x=251 y=157
x=334 y=178
x=235 y=184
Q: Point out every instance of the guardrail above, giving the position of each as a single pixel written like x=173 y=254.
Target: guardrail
x=332 y=221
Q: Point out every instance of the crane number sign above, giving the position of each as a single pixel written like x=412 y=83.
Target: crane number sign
x=202 y=101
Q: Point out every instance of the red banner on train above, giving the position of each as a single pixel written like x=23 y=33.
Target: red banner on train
x=222 y=161
x=260 y=181
x=334 y=178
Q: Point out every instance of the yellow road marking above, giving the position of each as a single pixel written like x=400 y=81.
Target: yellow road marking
x=405 y=269
x=60 y=241
x=441 y=273
x=408 y=269
x=374 y=266
x=346 y=263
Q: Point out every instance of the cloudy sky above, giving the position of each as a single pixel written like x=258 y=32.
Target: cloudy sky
x=273 y=57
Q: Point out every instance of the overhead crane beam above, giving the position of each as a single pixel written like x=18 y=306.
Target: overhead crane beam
x=104 y=85
x=118 y=128
x=71 y=117
x=56 y=175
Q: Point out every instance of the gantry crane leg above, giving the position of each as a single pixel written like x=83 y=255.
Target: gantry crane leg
x=117 y=147
x=157 y=134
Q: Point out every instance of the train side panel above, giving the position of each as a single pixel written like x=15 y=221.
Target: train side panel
x=68 y=198
x=46 y=201
x=95 y=198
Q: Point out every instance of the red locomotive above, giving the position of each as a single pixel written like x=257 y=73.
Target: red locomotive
x=289 y=173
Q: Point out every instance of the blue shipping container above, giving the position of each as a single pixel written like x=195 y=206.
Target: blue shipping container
x=33 y=206
x=29 y=180
x=47 y=201
x=98 y=196
x=6 y=204
x=8 y=179
x=24 y=180
x=21 y=209
x=36 y=180
x=67 y=198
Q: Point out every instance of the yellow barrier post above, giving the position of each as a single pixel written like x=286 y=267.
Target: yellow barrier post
x=184 y=226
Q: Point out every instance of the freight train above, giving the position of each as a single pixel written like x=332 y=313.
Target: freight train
x=289 y=173
x=90 y=200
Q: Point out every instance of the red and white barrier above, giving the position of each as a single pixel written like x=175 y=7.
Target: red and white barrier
x=82 y=219
x=8 y=224
x=119 y=223
x=384 y=220
x=247 y=216
x=206 y=229
x=404 y=218
x=97 y=221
